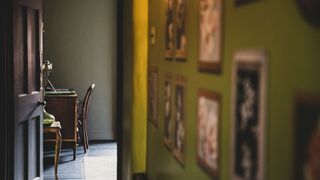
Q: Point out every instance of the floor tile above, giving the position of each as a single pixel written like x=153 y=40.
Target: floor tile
x=99 y=163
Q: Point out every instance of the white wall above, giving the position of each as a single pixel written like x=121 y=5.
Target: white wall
x=80 y=40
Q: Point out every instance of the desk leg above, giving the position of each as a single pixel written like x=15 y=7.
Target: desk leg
x=57 y=153
x=75 y=150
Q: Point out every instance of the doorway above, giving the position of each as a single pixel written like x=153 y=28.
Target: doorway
x=80 y=39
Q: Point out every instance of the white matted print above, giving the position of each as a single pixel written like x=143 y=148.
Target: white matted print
x=169 y=29
x=210 y=35
x=179 y=132
x=249 y=80
x=167 y=120
x=153 y=95
x=181 y=28
x=208 y=122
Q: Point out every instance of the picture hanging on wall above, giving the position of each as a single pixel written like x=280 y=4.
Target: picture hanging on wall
x=249 y=114
x=181 y=36
x=210 y=35
x=168 y=123
x=179 y=119
x=242 y=2
x=208 y=122
x=169 y=30
x=153 y=95
x=307 y=137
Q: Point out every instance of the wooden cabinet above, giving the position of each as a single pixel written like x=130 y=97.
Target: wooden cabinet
x=63 y=105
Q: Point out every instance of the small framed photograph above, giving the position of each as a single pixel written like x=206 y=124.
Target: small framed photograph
x=307 y=136
x=168 y=122
x=210 y=35
x=169 y=29
x=181 y=35
x=249 y=82
x=208 y=123
x=153 y=95
x=179 y=131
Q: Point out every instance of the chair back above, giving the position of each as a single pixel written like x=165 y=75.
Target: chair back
x=85 y=105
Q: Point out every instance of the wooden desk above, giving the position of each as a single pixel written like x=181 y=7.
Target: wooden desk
x=64 y=108
x=57 y=140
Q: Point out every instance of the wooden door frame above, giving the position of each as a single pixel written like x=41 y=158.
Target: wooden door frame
x=7 y=96
x=119 y=88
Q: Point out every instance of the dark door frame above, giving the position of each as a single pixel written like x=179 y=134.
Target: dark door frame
x=7 y=97
x=119 y=87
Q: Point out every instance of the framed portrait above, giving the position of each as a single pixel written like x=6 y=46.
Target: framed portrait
x=153 y=95
x=179 y=132
x=210 y=35
x=307 y=136
x=249 y=81
x=168 y=122
x=208 y=123
x=181 y=36
x=169 y=29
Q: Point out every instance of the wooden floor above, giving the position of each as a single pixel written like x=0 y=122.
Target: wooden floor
x=100 y=163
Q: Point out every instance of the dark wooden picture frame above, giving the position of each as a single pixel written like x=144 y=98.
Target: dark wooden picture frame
x=169 y=29
x=249 y=81
x=208 y=131
x=153 y=95
x=179 y=132
x=307 y=136
x=210 y=35
x=181 y=30
x=167 y=117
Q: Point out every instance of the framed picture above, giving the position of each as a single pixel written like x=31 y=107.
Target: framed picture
x=242 y=2
x=310 y=9
x=179 y=132
x=249 y=78
x=181 y=36
x=208 y=123
x=169 y=29
x=153 y=95
x=307 y=136
x=168 y=123
x=210 y=35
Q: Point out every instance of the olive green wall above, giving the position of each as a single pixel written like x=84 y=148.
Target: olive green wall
x=80 y=39
x=293 y=46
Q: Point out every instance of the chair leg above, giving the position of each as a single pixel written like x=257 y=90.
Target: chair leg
x=82 y=138
x=86 y=136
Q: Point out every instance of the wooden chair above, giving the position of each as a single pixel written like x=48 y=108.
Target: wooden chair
x=82 y=119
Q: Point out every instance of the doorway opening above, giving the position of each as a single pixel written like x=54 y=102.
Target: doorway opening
x=80 y=39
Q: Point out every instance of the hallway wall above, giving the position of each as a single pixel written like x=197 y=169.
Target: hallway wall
x=293 y=48
x=80 y=40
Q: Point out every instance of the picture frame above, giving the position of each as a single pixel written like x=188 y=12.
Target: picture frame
x=243 y=2
x=169 y=29
x=179 y=132
x=181 y=30
x=208 y=131
x=167 y=117
x=210 y=36
x=249 y=91
x=153 y=95
x=306 y=136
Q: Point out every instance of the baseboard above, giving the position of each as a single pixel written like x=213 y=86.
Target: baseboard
x=102 y=141
x=100 y=136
